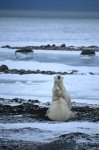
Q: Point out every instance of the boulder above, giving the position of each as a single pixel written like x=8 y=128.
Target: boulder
x=6 y=46
x=88 y=52
x=47 y=46
x=53 y=45
x=24 y=50
x=3 y=68
x=24 y=53
x=62 y=45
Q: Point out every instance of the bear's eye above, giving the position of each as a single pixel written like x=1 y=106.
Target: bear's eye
x=59 y=77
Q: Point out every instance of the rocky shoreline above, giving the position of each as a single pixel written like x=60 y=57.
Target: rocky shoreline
x=83 y=112
x=52 y=47
x=6 y=70
x=21 y=111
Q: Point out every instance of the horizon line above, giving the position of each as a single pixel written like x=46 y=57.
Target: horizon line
x=53 y=14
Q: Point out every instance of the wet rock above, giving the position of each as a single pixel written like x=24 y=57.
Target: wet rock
x=3 y=68
x=88 y=52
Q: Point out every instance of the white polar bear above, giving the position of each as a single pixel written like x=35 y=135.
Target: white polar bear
x=59 y=110
x=58 y=81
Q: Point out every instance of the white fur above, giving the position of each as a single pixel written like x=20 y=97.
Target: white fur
x=59 y=110
x=64 y=94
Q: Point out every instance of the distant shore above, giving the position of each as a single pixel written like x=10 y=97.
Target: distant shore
x=54 y=47
x=48 y=14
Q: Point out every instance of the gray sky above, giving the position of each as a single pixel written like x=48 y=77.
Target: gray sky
x=50 y=5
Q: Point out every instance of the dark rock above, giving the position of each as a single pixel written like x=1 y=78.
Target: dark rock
x=93 y=46
x=53 y=45
x=91 y=73
x=62 y=45
x=6 y=46
x=47 y=46
x=17 y=100
x=24 y=50
x=88 y=52
x=73 y=72
x=22 y=71
x=3 y=68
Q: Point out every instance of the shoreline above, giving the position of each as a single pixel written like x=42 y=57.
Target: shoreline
x=62 y=47
x=34 y=109
x=4 y=69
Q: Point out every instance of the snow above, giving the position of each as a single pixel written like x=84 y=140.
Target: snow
x=33 y=86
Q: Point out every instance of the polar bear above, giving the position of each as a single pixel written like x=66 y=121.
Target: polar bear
x=59 y=110
x=58 y=81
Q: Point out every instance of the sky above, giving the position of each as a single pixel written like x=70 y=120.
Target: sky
x=50 y=5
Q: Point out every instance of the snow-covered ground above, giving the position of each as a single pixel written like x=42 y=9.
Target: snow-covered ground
x=82 y=88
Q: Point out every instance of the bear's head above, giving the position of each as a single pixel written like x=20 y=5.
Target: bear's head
x=58 y=79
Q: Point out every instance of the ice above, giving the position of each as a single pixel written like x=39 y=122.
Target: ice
x=82 y=88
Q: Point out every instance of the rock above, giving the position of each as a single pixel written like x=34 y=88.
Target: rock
x=88 y=52
x=6 y=46
x=93 y=46
x=24 y=53
x=47 y=46
x=24 y=50
x=62 y=45
x=3 y=68
x=53 y=45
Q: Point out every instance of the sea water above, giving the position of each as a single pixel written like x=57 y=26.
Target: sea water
x=24 y=31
